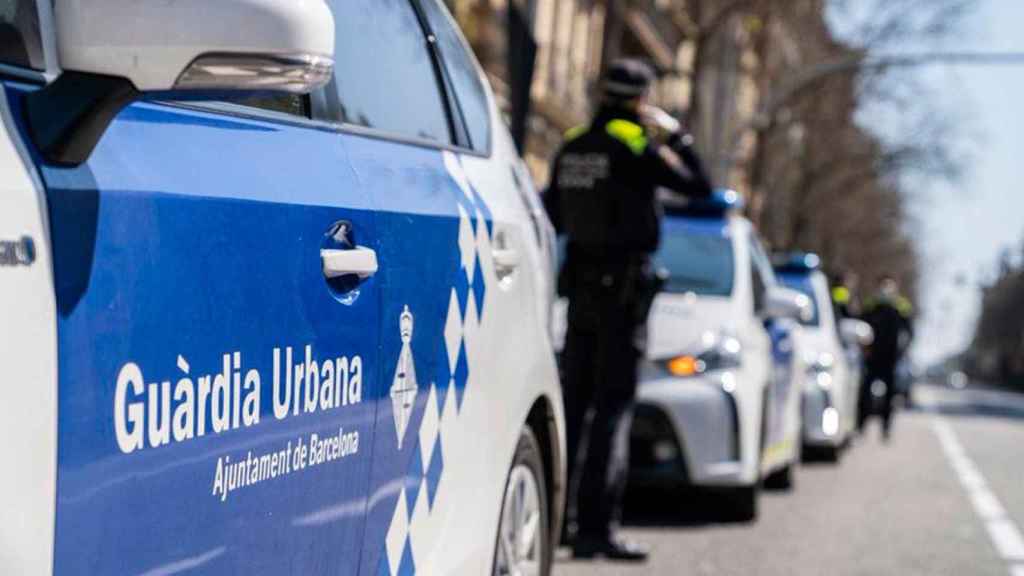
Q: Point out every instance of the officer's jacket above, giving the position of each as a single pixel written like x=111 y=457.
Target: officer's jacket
x=892 y=321
x=603 y=191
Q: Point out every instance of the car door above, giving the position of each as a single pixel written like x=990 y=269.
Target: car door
x=218 y=334
x=508 y=352
x=759 y=341
x=422 y=160
x=782 y=388
x=433 y=292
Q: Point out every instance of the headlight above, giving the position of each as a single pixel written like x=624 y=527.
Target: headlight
x=820 y=370
x=723 y=352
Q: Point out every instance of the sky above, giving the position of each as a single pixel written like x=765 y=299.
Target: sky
x=963 y=227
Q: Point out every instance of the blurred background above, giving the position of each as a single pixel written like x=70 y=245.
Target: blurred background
x=883 y=135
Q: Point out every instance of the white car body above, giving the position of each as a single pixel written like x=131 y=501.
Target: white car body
x=449 y=330
x=736 y=425
x=833 y=379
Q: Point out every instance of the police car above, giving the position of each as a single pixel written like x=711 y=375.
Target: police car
x=831 y=347
x=273 y=282
x=717 y=404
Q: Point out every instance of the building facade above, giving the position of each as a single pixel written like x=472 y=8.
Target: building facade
x=576 y=39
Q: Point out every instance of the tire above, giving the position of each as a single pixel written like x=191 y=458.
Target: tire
x=745 y=503
x=826 y=454
x=832 y=454
x=525 y=489
x=781 y=479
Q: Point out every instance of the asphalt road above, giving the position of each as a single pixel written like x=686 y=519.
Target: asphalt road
x=944 y=496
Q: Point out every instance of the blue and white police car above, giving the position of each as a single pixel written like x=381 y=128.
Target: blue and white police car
x=831 y=348
x=718 y=402
x=274 y=296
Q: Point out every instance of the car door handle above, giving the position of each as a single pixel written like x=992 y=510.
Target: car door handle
x=506 y=259
x=359 y=261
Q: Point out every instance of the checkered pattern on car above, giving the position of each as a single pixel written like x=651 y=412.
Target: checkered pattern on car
x=445 y=398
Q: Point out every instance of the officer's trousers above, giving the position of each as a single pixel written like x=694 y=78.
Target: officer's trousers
x=599 y=387
x=886 y=372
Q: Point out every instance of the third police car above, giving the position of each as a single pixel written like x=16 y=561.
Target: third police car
x=284 y=334
x=831 y=347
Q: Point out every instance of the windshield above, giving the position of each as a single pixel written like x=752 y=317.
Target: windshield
x=698 y=256
x=802 y=283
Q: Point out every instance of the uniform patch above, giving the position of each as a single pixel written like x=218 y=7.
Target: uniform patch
x=629 y=133
x=582 y=170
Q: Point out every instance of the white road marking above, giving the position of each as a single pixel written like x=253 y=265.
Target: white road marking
x=1005 y=535
x=1007 y=539
x=987 y=506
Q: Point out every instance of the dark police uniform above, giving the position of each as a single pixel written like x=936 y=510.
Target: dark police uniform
x=603 y=197
x=890 y=318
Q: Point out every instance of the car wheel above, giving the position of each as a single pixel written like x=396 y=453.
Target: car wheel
x=524 y=535
x=745 y=503
x=827 y=454
x=781 y=479
x=832 y=454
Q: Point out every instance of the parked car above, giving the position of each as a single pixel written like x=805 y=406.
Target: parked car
x=248 y=330
x=831 y=346
x=717 y=404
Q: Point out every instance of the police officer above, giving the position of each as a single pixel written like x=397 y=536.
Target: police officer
x=603 y=197
x=842 y=295
x=890 y=316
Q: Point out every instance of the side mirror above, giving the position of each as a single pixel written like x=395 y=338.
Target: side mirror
x=113 y=52
x=855 y=332
x=787 y=303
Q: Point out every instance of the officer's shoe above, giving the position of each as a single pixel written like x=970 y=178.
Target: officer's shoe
x=612 y=548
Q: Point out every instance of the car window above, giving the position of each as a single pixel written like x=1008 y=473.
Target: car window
x=761 y=274
x=20 y=44
x=698 y=258
x=758 y=286
x=462 y=70
x=803 y=284
x=384 y=74
x=763 y=263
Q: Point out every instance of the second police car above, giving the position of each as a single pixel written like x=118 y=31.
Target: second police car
x=286 y=335
x=718 y=403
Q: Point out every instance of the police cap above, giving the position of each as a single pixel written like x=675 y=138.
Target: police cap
x=627 y=78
